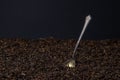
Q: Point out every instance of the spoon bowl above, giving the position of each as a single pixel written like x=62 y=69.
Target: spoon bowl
x=70 y=63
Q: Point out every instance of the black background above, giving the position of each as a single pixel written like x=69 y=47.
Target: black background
x=58 y=18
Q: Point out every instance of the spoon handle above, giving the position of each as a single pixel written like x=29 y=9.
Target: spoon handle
x=87 y=20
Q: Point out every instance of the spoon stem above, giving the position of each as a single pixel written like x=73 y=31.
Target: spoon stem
x=87 y=20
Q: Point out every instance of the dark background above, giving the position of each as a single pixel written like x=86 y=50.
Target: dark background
x=57 y=18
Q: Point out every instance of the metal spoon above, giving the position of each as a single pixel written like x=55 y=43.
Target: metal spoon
x=71 y=63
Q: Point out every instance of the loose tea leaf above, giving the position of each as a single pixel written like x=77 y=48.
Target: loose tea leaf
x=42 y=59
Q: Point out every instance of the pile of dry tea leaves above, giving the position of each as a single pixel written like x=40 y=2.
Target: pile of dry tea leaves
x=43 y=59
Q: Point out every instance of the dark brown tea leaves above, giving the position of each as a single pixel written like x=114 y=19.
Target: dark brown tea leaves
x=43 y=59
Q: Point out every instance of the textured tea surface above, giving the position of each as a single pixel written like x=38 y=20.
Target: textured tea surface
x=44 y=59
